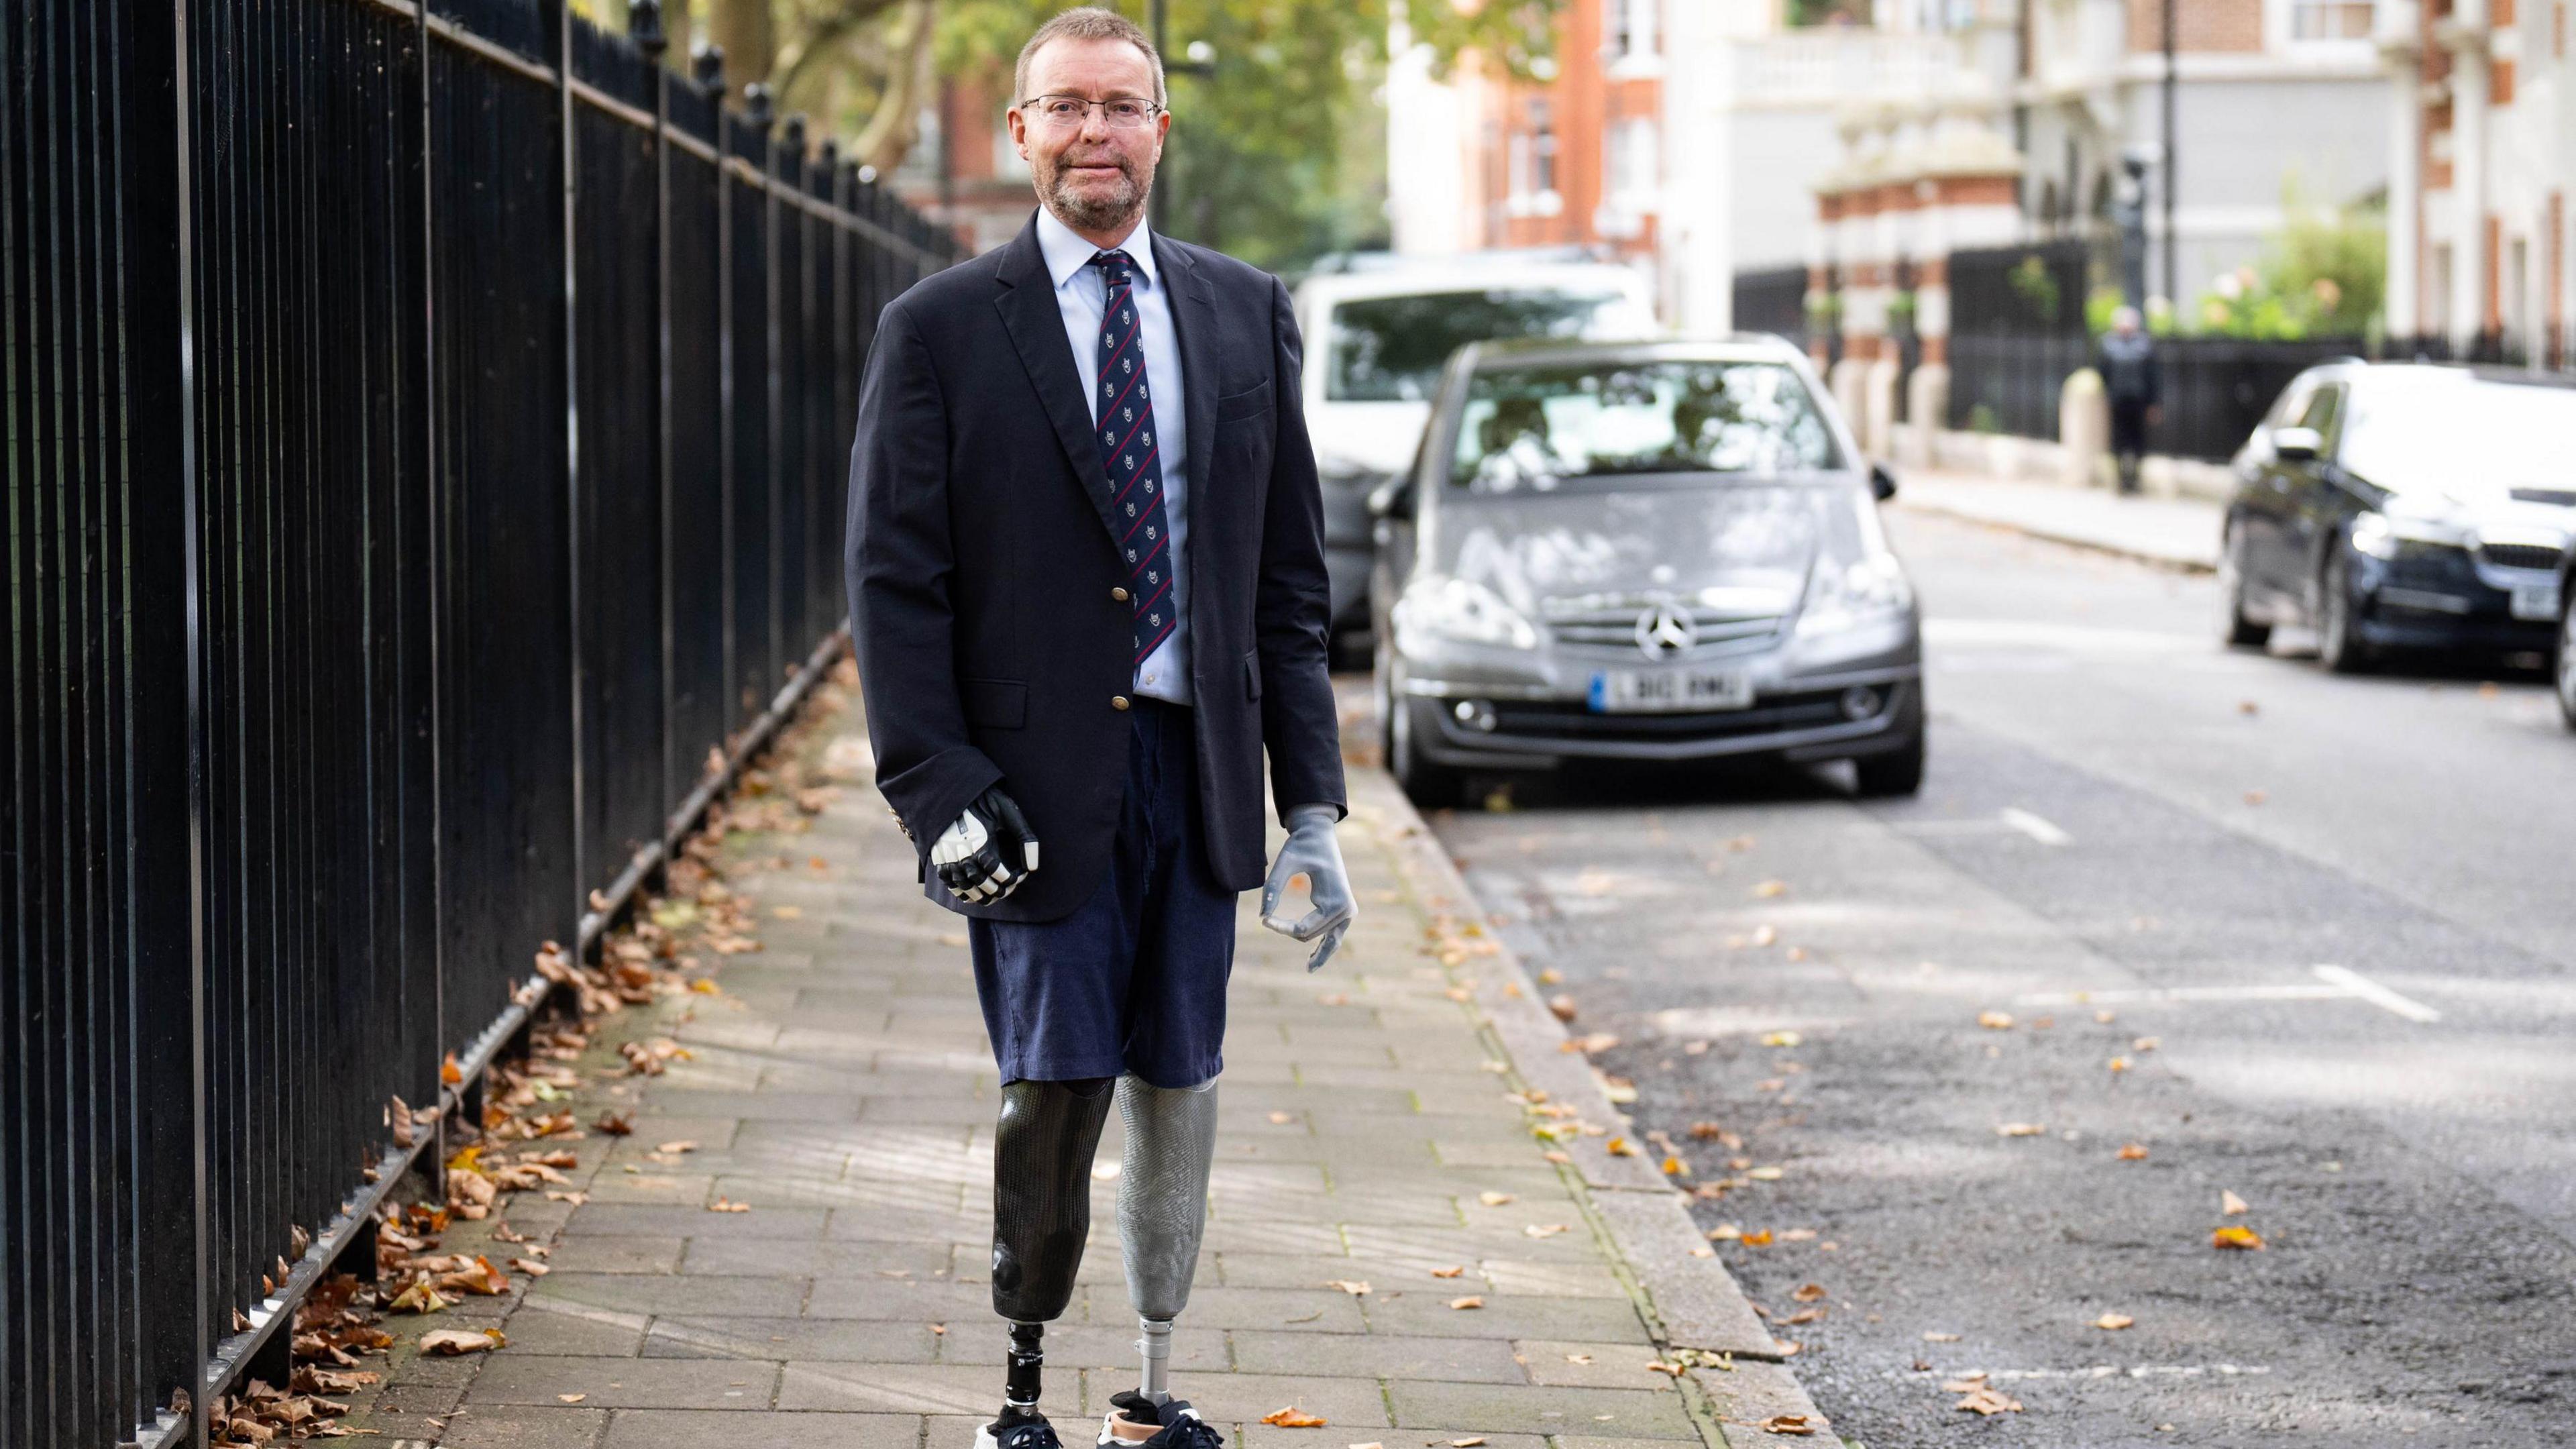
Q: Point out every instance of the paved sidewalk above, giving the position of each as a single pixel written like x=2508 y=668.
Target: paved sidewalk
x=2175 y=532
x=837 y=1082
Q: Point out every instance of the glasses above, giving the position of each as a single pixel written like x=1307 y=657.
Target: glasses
x=1123 y=113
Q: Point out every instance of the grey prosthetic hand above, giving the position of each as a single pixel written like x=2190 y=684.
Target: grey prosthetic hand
x=1311 y=851
x=985 y=855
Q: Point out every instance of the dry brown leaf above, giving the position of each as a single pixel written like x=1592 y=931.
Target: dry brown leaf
x=1449 y=1272
x=1353 y=1287
x=2020 y=1129
x=1995 y=1020
x=2230 y=1204
x=728 y=1205
x=1771 y=889
x=2133 y=1152
x=2238 y=1236
x=571 y=1398
x=1758 y=1238
x=1620 y=1147
x=1282 y=1119
x=2113 y=1322
x=1809 y=1292
x=1293 y=1417
x=680 y=1146
x=1578 y=1358
x=1940 y=1338
x=1562 y=1005
x=1706 y=1131
x=1493 y=1199
x=1793 y=1425
x=1470 y=1301
x=449 y=1342
x=1543 y=1230
x=1988 y=1401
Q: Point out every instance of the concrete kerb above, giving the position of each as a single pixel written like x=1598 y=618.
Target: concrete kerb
x=1685 y=1294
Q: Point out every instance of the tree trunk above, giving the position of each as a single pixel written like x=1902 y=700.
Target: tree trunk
x=895 y=126
x=749 y=34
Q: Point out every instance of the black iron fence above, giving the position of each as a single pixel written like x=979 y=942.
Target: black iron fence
x=2214 y=388
x=1773 y=301
x=425 y=445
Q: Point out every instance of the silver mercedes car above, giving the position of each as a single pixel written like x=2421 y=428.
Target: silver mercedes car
x=1659 y=551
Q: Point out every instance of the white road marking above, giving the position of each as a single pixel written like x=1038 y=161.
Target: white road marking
x=2334 y=983
x=2376 y=994
x=2033 y=826
x=2110 y=1371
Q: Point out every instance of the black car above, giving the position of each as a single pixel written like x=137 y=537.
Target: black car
x=2403 y=506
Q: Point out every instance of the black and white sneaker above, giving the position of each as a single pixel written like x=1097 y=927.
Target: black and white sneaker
x=1174 y=1426
x=1015 y=1430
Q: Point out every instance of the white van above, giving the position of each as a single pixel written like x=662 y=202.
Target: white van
x=1376 y=340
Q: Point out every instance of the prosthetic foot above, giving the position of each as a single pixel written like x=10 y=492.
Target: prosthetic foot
x=1162 y=1211
x=1042 y=1151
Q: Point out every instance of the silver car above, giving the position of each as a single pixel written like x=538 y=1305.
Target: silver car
x=1640 y=551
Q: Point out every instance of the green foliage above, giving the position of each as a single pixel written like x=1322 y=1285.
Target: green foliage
x=2324 y=274
x=1277 y=153
x=2031 y=280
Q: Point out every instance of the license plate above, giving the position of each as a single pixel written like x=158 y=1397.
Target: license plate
x=1649 y=691
x=2535 y=601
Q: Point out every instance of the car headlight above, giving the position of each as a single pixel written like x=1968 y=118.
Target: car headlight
x=2381 y=536
x=1844 y=596
x=1464 y=611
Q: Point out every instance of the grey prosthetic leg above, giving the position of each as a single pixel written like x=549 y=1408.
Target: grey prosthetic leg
x=1042 y=1151
x=1162 y=1211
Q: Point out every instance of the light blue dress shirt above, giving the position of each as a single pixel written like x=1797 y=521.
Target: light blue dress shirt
x=1082 y=296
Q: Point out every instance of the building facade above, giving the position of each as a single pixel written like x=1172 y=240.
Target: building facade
x=2481 y=164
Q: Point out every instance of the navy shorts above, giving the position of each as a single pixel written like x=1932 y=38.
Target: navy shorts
x=1134 y=980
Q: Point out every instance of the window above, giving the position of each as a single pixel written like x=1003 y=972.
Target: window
x=2312 y=20
x=1542 y=148
x=1538 y=427
x=1391 y=349
x=1632 y=28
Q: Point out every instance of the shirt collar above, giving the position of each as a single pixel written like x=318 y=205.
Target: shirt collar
x=1066 y=253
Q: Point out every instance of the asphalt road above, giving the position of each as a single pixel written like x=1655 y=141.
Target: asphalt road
x=2304 y=939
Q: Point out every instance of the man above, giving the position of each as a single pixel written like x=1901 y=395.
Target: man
x=2131 y=382
x=1086 y=574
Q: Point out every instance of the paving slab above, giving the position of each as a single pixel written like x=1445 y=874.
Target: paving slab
x=1375 y=1131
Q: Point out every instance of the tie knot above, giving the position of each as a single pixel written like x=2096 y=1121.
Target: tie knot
x=1117 y=267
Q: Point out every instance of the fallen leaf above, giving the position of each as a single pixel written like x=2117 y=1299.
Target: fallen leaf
x=615 y=1124
x=571 y=1398
x=1293 y=1417
x=1798 y=1235
x=1658 y=1366
x=1563 y=1006
x=1338 y=998
x=1452 y=1271
x=1794 y=1425
x=419 y=1298
x=1809 y=1292
x=2103 y=1018
x=1550 y=976
x=2230 y=1204
x=2236 y=1235
x=1940 y=1338
x=2020 y=1129
x=2113 y=1322
x=1470 y=1442
x=449 y=1342
x=1803 y=1315
x=2256 y=797
x=1351 y=1286
x=530 y=1267
x=1620 y=1147
x=1988 y=1401
x=1470 y=1301
x=2146 y=1044
x=2133 y=1152
x=1764 y=1174
x=1758 y=1238
x=1770 y=889
x=1543 y=1230
x=1995 y=1020
x=1706 y=1131
x=728 y=1205
x=681 y=1146
x=1764 y=936
x=1282 y=1119
x=1493 y=1199
x=449 y=1072
x=1786 y=1347
x=1675 y=1167
x=1782 y=1039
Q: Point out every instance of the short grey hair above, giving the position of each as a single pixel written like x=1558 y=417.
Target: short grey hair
x=1087 y=22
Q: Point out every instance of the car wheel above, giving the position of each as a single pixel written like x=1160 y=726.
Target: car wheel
x=1898 y=773
x=2339 y=643
x=2239 y=631
x=2567 y=652
x=1433 y=787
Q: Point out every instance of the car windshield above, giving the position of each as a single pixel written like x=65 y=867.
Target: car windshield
x=1391 y=349
x=1535 y=427
x=2470 y=437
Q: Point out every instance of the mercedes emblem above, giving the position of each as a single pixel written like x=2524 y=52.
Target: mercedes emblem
x=1664 y=631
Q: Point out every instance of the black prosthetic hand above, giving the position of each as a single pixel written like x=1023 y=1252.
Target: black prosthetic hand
x=990 y=849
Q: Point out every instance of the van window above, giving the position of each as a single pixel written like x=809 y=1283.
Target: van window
x=1390 y=349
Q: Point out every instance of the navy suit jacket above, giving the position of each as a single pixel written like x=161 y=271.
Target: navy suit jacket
x=981 y=556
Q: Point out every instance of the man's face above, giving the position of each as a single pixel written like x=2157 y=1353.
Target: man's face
x=1091 y=174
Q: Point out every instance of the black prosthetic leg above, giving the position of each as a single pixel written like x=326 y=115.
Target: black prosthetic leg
x=1042 y=1151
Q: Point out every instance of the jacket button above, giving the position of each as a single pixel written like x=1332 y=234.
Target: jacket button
x=1117 y=701
x=1120 y=595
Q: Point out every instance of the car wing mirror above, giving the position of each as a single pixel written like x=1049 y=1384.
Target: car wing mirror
x=1882 y=483
x=2295 y=445
x=1392 y=498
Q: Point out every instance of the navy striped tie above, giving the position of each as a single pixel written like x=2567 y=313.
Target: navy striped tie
x=1133 y=460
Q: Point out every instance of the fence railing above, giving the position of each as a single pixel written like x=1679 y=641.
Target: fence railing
x=424 y=453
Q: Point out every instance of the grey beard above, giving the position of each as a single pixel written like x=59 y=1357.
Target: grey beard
x=1096 y=214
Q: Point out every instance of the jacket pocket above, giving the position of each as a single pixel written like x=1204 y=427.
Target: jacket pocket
x=1001 y=704
x=1252 y=674
x=1252 y=402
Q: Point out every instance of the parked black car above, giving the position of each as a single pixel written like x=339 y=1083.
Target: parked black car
x=2403 y=506
x=1641 y=551
x=2567 y=636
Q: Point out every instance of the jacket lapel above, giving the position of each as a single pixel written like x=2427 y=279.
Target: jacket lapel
x=1193 y=307
x=1036 y=324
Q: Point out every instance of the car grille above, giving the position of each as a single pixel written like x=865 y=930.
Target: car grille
x=2519 y=555
x=1557 y=719
x=2562 y=497
x=1609 y=622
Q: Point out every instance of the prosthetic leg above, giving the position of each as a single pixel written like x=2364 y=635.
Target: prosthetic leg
x=1042 y=1151
x=1162 y=1210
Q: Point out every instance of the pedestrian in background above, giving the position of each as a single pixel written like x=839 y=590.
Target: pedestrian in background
x=2131 y=382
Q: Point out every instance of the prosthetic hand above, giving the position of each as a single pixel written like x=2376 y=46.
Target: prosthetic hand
x=1312 y=852
x=988 y=852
